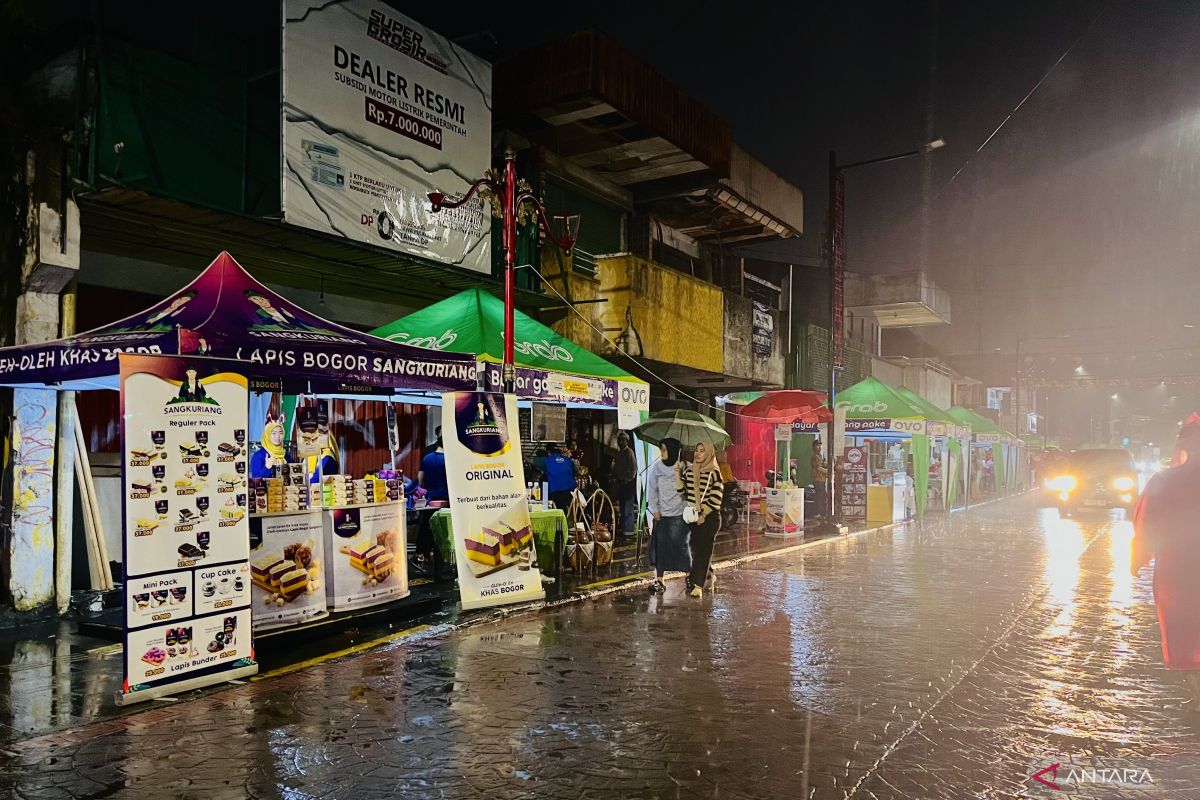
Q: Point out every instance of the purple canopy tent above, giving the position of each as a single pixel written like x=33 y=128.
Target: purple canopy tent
x=225 y=313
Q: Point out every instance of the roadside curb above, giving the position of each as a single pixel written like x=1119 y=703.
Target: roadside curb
x=646 y=579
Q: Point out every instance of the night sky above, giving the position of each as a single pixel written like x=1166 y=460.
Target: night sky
x=1080 y=208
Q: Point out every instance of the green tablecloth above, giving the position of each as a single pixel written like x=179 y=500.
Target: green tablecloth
x=546 y=526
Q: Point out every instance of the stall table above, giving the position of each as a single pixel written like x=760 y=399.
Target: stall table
x=549 y=535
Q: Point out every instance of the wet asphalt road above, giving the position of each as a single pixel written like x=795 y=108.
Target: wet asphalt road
x=950 y=659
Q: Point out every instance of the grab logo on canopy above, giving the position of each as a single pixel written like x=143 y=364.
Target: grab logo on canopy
x=878 y=407
x=544 y=349
x=428 y=342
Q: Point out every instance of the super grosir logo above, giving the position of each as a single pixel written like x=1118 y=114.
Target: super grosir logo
x=403 y=39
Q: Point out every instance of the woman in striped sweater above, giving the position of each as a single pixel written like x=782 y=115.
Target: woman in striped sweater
x=702 y=489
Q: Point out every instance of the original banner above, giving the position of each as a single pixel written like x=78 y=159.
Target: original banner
x=378 y=112
x=493 y=537
x=186 y=529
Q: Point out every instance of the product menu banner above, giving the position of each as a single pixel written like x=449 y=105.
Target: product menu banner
x=379 y=111
x=186 y=535
x=493 y=536
x=853 y=493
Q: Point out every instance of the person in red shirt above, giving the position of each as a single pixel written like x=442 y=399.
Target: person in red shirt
x=1167 y=529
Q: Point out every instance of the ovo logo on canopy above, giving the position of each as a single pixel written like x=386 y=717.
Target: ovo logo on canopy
x=543 y=349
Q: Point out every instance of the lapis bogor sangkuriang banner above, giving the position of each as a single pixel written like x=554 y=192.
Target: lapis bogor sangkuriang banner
x=493 y=537
x=186 y=528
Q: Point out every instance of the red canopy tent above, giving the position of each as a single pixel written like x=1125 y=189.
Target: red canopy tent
x=752 y=428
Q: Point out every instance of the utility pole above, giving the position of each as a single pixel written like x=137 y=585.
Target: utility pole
x=511 y=199
x=835 y=254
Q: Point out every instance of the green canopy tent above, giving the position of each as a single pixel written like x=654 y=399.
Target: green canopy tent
x=549 y=366
x=988 y=434
x=871 y=407
x=1036 y=441
x=940 y=425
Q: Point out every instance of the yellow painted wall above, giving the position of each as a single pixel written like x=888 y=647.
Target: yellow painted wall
x=680 y=319
x=575 y=288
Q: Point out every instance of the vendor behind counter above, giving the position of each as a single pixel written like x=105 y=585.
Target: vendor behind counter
x=271 y=453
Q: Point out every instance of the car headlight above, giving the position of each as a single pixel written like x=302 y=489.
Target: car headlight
x=1124 y=484
x=1064 y=483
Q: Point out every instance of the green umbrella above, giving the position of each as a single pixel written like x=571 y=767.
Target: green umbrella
x=689 y=427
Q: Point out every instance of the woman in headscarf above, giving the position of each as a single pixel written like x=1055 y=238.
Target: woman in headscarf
x=271 y=454
x=669 y=537
x=1167 y=529
x=701 y=488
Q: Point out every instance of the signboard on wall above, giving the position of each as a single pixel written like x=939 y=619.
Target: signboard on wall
x=763 y=330
x=379 y=111
x=549 y=422
x=837 y=216
x=186 y=527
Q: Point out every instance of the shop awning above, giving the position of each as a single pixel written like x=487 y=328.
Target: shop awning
x=225 y=313
x=549 y=366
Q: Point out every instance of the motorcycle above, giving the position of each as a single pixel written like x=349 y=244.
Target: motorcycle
x=733 y=504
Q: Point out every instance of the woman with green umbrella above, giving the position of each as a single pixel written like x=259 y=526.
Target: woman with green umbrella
x=700 y=483
x=668 y=550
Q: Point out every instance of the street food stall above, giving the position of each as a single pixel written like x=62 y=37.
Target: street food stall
x=551 y=371
x=188 y=497
x=945 y=467
x=790 y=411
x=989 y=442
x=890 y=433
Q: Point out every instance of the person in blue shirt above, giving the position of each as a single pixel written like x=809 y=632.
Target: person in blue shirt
x=560 y=475
x=432 y=478
x=432 y=475
x=325 y=464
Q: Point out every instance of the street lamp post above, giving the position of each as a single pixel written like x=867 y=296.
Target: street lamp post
x=836 y=253
x=512 y=200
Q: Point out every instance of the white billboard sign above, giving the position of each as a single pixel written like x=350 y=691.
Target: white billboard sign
x=379 y=111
